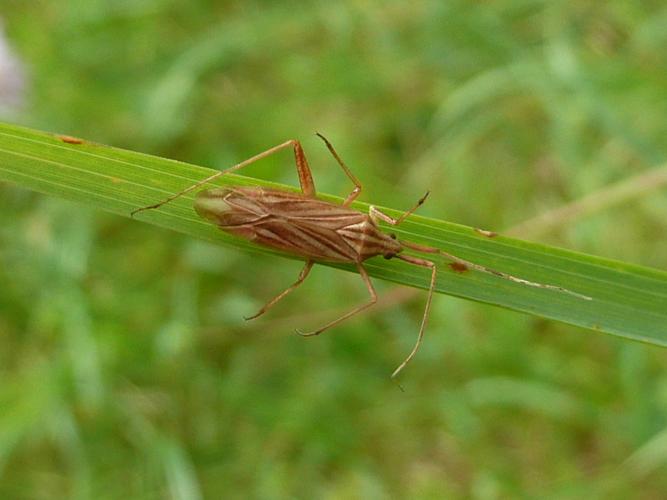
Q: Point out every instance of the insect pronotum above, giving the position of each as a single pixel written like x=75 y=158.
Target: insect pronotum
x=320 y=231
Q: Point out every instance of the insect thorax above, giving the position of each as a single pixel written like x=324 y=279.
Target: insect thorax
x=368 y=240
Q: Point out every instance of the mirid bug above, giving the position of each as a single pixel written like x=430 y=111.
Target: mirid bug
x=320 y=231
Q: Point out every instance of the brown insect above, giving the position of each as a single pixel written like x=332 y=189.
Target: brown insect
x=319 y=231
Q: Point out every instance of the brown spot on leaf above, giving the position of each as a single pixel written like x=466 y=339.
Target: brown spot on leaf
x=484 y=232
x=70 y=140
x=459 y=267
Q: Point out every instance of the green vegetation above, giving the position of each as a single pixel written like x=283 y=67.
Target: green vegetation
x=127 y=369
x=622 y=299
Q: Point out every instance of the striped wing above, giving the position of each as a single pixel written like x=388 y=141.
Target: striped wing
x=286 y=221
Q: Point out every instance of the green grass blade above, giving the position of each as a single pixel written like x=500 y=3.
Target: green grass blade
x=627 y=300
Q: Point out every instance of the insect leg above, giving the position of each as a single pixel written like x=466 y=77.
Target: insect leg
x=357 y=185
x=424 y=263
x=303 y=170
x=305 y=177
x=373 y=300
x=377 y=214
x=302 y=276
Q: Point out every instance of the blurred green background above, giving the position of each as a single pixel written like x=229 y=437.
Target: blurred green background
x=126 y=367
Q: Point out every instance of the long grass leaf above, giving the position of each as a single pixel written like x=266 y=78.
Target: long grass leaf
x=627 y=300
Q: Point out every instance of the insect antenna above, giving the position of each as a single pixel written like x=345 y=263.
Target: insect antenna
x=462 y=264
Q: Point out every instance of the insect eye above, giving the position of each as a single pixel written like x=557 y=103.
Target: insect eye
x=392 y=236
x=389 y=256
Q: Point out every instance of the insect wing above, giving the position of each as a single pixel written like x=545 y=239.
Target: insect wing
x=290 y=222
